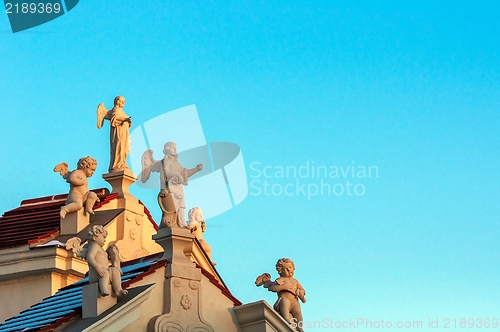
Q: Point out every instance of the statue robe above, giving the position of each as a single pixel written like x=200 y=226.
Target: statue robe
x=119 y=139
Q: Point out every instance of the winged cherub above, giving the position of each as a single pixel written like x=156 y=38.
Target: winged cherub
x=79 y=194
x=119 y=137
x=98 y=259
x=197 y=225
x=172 y=177
x=289 y=291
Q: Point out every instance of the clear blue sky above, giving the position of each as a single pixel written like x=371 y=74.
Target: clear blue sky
x=411 y=87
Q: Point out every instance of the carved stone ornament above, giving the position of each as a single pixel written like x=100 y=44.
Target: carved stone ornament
x=186 y=302
x=193 y=284
x=182 y=299
x=132 y=234
x=177 y=282
x=170 y=326
x=138 y=219
x=195 y=327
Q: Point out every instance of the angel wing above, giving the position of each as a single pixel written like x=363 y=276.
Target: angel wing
x=149 y=164
x=74 y=244
x=101 y=114
x=62 y=168
x=83 y=252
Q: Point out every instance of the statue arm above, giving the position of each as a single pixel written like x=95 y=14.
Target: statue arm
x=301 y=292
x=264 y=280
x=62 y=168
x=77 y=178
x=275 y=287
x=117 y=118
x=284 y=284
x=195 y=170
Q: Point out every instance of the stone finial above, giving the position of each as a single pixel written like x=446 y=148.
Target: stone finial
x=289 y=291
x=197 y=225
x=120 y=182
x=119 y=136
x=173 y=177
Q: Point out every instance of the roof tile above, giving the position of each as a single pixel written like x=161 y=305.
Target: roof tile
x=67 y=303
x=37 y=220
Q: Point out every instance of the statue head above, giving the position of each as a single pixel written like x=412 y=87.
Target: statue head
x=170 y=149
x=285 y=267
x=195 y=214
x=98 y=234
x=88 y=165
x=119 y=101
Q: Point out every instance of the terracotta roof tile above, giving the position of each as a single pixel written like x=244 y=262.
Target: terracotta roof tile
x=36 y=220
x=66 y=304
x=150 y=217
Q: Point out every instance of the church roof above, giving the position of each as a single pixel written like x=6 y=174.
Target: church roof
x=36 y=221
x=65 y=306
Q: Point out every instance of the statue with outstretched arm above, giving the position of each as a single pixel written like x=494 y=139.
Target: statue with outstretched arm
x=173 y=177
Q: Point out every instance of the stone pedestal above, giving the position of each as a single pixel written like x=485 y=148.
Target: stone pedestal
x=93 y=304
x=120 y=181
x=182 y=298
x=177 y=245
x=74 y=222
x=129 y=233
x=259 y=317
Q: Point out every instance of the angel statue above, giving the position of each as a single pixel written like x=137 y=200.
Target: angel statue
x=98 y=259
x=172 y=177
x=119 y=138
x=79 y=194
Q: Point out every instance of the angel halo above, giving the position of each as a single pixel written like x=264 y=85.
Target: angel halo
x=119 y=136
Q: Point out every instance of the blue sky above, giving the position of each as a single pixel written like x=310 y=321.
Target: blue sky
x=409 y=87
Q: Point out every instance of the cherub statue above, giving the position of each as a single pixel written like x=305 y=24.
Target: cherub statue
x=119 y=138
x=289 y=291
x=79 y=194
x=173 y=177
x=197 y=225
x=97 y=259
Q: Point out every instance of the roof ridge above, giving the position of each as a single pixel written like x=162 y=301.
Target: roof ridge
x=52 y=198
